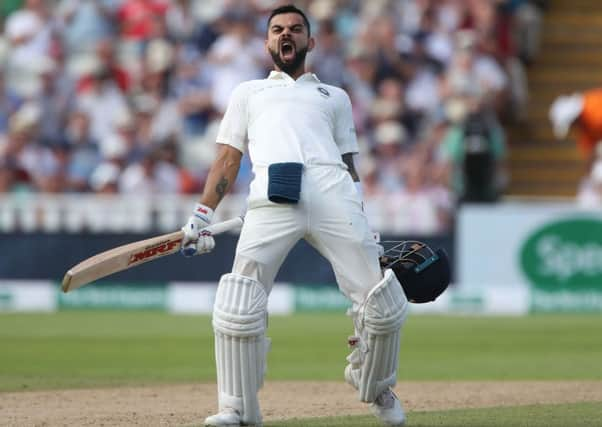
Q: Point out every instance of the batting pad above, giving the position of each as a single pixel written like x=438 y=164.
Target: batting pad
x=239 y=323
x=373 y=362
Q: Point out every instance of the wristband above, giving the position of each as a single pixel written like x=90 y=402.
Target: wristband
x=203 y=212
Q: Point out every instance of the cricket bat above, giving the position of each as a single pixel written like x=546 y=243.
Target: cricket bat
x=133 y=254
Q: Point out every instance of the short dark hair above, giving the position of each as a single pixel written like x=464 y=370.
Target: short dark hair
x=289 y=8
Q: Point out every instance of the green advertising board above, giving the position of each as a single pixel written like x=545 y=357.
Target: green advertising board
x=562 y=260
x=319 y=298
x=129 y=296
x=6 y=299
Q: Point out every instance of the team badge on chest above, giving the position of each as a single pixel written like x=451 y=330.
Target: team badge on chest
x=323 y=92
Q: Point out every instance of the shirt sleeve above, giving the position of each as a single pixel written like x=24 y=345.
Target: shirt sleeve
x=233 y=127
x=344 y=128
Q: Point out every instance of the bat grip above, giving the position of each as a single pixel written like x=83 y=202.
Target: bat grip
x=221 y=227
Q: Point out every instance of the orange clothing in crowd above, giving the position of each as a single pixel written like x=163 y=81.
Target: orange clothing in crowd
x=590 y=122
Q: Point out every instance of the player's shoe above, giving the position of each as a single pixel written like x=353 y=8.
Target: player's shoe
x=388 y=410
x=226 y=418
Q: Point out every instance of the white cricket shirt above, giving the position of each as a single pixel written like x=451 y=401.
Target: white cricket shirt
x=280 y=119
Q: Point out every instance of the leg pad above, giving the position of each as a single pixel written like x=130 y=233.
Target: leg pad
x=239 y=323
x=373 y=362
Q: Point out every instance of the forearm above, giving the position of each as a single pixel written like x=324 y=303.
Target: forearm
x=221 y=176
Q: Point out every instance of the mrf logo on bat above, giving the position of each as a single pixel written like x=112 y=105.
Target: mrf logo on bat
x=159 y=249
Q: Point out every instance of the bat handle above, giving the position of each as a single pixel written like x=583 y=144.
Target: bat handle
x=230 y=224
x=217 y=228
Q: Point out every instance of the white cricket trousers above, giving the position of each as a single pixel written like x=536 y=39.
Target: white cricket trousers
x=329 y=217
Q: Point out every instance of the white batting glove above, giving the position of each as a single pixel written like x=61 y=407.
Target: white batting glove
x=196 y=240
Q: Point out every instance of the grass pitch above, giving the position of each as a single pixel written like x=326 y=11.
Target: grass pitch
x=573 y=415
x=86 y=349
x=91 y=349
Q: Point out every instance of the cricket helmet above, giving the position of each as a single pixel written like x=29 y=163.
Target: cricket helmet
x=423 y=273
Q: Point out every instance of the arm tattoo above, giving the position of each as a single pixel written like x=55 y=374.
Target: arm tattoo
x=348 y=160
x=221 y=187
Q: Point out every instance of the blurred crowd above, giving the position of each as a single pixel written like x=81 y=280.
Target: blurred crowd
x=125 y=96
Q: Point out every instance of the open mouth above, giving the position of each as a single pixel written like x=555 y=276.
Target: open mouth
x=287 y=50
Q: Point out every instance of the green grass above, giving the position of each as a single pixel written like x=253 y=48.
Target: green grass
x=565 y=415
x=88 y=348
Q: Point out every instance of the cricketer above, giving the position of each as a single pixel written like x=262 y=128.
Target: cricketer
x=300 y=138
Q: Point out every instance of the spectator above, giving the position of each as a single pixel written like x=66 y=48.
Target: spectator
x=388 y=104
x=360 y=76
x=390 y=138
x=54 y=101
x=422 y=206
x=138 y=19
x=473 y=151
x=37 y=165
x=326 y=60
x=9 y=176
x=582 y=112
x=21 y=30
x=85 y=154
x=181 y=21
x=125 y=128
x=101 y=97
x=192 y=91
x=157 y=120
x=116 y=78
x=105 y=63
x=28 y=30
x=155 y=102
x=9 y=100
x=237 y=55
x=474 y=77
x=390 y=63
x=85 y=23
x=150 y=176
x=105 y=176
x=105 y=179
x=422 y=95
x=526 y=19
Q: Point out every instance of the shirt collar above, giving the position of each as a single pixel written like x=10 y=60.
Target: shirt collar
x=281 y=75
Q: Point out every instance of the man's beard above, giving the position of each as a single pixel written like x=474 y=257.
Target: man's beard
x=290 y=67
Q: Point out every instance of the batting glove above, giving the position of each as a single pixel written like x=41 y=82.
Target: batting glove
x=196 y=239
